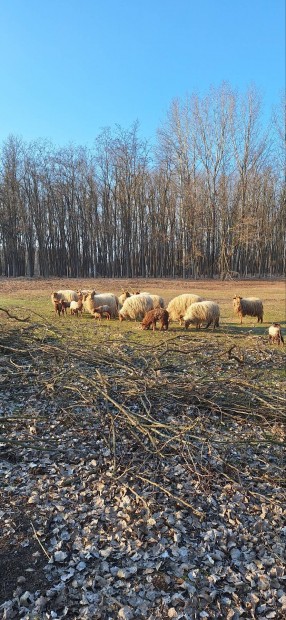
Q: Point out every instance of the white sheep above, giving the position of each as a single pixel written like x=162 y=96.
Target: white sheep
x=202 y=312
x=178 y=306
x=66 y=295
x=135 y=307
x=92 y=300
x=122 y=297
x=248 y=306
x=275 y=334
x=158 y=302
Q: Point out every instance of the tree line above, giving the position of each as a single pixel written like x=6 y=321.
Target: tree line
x=208 y=197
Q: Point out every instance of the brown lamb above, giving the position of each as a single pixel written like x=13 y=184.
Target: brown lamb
x=151 y=318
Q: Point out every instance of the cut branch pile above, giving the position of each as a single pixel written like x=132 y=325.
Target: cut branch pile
x=174 y=426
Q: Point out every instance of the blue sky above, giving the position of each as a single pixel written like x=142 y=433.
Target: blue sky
x=69 y=68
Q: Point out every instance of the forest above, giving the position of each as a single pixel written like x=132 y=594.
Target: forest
x=207 y=198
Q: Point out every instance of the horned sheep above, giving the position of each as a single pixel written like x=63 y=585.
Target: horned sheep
x=248 y=306
x=158 y=301
x=178 y=306
x=202 y=312
x=135 y=307
x=123 y=297
x=275 y=334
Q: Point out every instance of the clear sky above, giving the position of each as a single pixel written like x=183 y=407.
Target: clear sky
x=68 y=68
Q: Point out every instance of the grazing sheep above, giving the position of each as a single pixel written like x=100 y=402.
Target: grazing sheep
x=178 y=306
x=275 y=334
x=158 y=302
x=202 y=312
x=103 y=311
x=66 y=295
x=76 y=307
x=92 y=301
x=135 y=307
x=151 y=318
x=248 y=306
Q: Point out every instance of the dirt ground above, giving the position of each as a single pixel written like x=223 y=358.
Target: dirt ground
x=172 y=287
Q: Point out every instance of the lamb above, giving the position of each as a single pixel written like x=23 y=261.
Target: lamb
x=65 y=305
x=151 y=318
x=76 y=307
x=275 y=334
x=178 y=306
x=102 y=311
x=248 y=306
x=135 y=307
x=92 y=300
x=57 y=306
x=202 y=312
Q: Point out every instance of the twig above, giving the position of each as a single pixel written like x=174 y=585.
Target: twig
x=37 y=538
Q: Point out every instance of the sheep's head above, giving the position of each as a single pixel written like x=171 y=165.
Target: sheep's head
x=236 y=302
x=121 y=316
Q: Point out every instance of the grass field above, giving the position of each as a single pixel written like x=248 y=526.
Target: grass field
x=189 y=421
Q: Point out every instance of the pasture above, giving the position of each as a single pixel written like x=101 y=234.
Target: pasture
x=152 y=461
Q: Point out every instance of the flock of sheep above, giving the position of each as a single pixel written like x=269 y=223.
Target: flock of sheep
x=187 y=308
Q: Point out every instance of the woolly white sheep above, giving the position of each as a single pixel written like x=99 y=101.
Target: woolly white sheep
x=126 y=294
x=91 y=301
x=135 y=307
x=202 y=312
x=158 y=302
x=178 y=306
x=122 y=297
x=275 y=334
x=66 y=295
x=248 y=306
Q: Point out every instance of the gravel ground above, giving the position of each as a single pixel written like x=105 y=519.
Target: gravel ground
x=98 y=522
